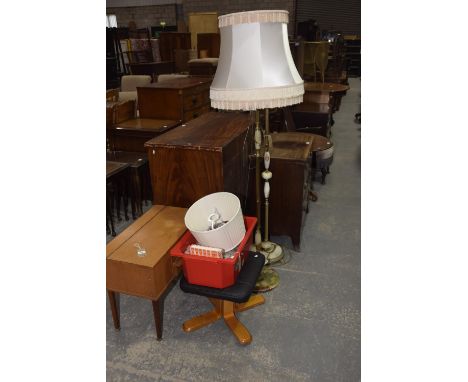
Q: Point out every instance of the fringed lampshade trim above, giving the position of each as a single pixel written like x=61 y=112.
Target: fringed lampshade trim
x=265 y=16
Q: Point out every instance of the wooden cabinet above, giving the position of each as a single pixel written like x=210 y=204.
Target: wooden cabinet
x=289 y=197
x=148 y=275
x=202 y=22
x=179 y=99
x=208 y=154
x=169 y=41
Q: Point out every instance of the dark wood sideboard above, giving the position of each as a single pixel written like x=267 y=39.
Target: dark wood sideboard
x=289 y=196
x=178 y=99
x=208 y=154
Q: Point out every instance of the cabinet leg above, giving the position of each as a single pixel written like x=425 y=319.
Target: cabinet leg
x=158 y=307
x=114 y=304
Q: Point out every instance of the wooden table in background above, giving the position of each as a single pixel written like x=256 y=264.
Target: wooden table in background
x=140 y=184
x=117 y=180
x=150 y=276
x=328 y=89
x=131 y=135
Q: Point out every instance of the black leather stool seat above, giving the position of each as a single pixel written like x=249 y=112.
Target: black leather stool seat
x=241 y=290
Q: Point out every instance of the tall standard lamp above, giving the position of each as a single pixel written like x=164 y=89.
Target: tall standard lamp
x=256 y=71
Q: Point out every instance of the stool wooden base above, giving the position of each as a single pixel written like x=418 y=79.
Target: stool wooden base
x=227 y=310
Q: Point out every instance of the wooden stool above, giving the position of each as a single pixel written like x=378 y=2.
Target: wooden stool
x=228 y=301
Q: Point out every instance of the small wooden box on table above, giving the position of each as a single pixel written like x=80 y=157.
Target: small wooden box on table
x=178 y=99
x=208 y=154
x=150 y=276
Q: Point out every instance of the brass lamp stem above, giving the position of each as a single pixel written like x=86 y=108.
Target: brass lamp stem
x=258 y=142
x=266 y=175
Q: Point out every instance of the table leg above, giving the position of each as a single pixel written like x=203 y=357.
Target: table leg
x=158 y=308
x=114 y=303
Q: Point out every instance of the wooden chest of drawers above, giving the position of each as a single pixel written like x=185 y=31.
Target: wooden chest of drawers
x=208 y=154
x=179 y=99
x=289 y=196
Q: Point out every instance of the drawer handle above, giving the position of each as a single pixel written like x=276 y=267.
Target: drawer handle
x=194 y=100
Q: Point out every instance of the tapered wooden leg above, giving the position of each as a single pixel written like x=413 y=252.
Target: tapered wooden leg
x=114 y=304
x=158 y=318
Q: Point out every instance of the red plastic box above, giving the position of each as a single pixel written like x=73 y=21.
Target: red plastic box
x=212 y=272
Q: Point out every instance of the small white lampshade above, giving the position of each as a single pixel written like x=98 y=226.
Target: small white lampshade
x=255 y=67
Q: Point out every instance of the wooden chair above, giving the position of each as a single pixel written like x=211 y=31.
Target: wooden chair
x=310 y=68
x=228 y=301
x=315 y=58
x=321 y=58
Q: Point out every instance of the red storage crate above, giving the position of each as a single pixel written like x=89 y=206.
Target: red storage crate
x=212 y=272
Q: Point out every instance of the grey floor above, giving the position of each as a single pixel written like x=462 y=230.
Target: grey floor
x=308 y=329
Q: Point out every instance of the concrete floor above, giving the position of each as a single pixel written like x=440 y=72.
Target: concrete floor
x=308 y=329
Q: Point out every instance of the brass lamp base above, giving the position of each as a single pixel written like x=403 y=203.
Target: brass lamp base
x=268 y=280
x=272 y=252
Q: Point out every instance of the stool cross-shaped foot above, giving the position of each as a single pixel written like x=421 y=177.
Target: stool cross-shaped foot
x=228 y=301
x=227 y=310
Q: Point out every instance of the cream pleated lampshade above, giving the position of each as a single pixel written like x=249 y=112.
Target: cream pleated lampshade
x=255 y=67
